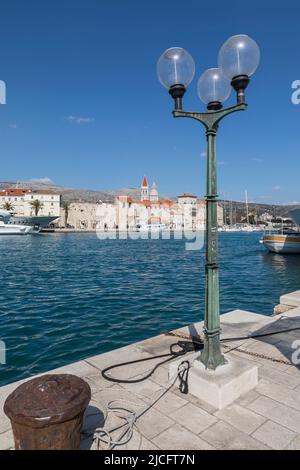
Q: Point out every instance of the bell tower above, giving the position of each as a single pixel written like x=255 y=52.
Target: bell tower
x=154 y=193
x=144 y=190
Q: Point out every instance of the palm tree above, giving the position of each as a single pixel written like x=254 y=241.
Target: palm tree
x=66 y=207
x=37 y=206
x=8 y=206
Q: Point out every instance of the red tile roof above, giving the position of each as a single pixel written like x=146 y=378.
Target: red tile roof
x=14 y=192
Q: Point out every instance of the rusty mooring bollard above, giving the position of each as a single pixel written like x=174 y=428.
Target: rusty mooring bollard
x=46 y=413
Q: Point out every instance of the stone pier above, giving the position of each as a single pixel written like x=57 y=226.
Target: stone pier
x=267 y=417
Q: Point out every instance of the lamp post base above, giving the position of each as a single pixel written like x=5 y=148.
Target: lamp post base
x=223 y=386
x=211 y=356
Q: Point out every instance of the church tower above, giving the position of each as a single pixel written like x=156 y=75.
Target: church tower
x=154 y=193
x=144 y=190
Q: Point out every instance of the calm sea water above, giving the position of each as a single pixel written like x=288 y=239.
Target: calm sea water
x=68 y=297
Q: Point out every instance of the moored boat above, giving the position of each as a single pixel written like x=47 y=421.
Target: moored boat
x=8 y=229
x=282 y=242
x=152 y=228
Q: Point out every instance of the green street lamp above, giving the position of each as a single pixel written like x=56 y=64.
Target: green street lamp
x=238 y=59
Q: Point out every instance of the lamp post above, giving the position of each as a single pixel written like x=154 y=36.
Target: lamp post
x=238 y=60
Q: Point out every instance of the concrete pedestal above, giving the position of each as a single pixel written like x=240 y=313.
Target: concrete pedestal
x=223 y=386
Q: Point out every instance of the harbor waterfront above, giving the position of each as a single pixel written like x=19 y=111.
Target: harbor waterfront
x=66 y=297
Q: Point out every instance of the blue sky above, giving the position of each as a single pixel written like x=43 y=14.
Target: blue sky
x=85 y=109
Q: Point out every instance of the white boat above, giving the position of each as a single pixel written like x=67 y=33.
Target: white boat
x=152 y=228
x=10 y=229
x=282 y=242
x=286 y=241
x=239 y=228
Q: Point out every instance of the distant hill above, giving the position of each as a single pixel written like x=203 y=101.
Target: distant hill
x=237 y=208
x=71 y=194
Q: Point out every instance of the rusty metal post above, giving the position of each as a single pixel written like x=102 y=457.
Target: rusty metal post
x=46 y=413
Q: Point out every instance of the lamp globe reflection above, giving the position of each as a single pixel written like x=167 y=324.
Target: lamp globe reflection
x=175 y=67
x=239 y=55
x=238 y=59
x=213 y=88
x=175 y=71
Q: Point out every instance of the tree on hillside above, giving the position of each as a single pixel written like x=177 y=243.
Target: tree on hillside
x=37 y=205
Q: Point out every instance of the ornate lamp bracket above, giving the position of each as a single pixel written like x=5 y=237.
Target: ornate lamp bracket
x=210 y=119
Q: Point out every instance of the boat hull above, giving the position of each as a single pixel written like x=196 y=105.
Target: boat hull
x=282 y=243
x=7 y=229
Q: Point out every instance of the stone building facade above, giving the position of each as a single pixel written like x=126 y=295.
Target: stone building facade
x=21 y=201
x=125 y=213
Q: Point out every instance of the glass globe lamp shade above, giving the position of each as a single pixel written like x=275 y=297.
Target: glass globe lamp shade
x=238 y=56
x=213 y=87
x=175 y=67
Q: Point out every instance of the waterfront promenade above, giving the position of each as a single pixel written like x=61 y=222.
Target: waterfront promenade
x=267 y=417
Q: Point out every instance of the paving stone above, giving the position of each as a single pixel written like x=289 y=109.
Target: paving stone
x=137 y=442
x=159 y=345
x=279 y=393
x=293 y=370
x=241 y=418
x=7 y=441
x=81 y=369
x=117 y=356
x=153 y=423
x=97 y=382
x=160 y=376
x=117 y=393
x=292 y=299
x=4 y=423
x=248 y=398
x=279 y=377
x=195 y=401
x=193 y=418
x=170 y=403
x=295 y=444
x=146 y=390
x=274 y=435
x=271 y=350
x=281 y=414
x=177 y=437
x=4 y=392
x=223 y=436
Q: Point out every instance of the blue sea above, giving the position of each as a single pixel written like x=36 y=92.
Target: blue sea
x=65 y=297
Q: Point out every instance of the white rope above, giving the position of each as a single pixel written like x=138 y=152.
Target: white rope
x=122 y=409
